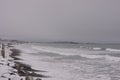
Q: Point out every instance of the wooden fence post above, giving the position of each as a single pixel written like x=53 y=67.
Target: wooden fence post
x=3 y=51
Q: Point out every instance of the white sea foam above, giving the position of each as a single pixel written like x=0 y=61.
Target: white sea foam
x=81 y=52
x=68 y=71
x=97 y=48
x=92 y=54
x=112 y=58
x=113 y=50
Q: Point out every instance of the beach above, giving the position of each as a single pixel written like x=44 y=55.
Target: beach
x=12 y=68
x=71 y=64
x=59 y=39
x=60 y=63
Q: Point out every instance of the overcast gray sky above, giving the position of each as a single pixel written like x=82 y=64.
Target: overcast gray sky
x=72 y=20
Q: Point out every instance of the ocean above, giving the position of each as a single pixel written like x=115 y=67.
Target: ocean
x=72 y=61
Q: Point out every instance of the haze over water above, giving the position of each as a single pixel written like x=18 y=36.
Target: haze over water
x=61 y=20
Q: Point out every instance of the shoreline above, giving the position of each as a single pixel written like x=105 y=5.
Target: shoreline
x=28 y=61
x=20 y=70
x=26 y=70
x=69 y=67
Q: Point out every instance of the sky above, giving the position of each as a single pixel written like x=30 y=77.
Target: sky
x=60 y=20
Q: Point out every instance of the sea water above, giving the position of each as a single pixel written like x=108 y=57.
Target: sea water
x=66 y=61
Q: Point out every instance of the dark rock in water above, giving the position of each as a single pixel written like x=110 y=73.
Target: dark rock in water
x=12 y=73
x=38 y=79
x=37 y=75
x=29 y=78
x=26 y=70
x=15 y=52
x=9 y=78
x=25 y=67
x=16 y=58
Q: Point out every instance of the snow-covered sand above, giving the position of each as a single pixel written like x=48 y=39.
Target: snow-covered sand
x=71 y=64
x=5 y=69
